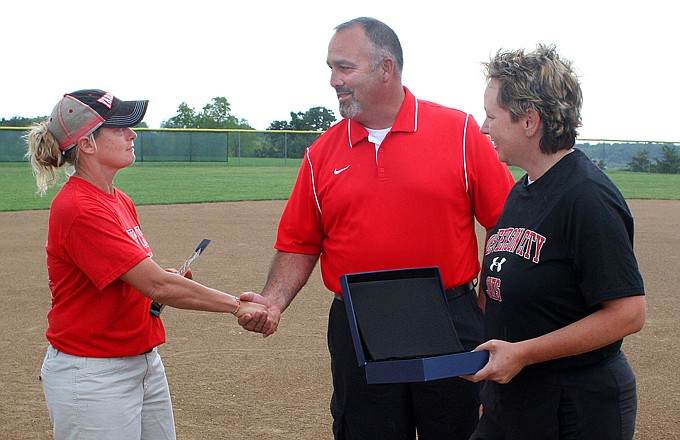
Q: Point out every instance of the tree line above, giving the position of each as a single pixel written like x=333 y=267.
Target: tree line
x=668 y=163
x=645 y=157
x=217 y=114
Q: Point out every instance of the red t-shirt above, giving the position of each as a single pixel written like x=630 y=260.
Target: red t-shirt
x=94 y=238
x=413 y=203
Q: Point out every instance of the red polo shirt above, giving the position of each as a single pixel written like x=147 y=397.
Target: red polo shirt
x=412 y=203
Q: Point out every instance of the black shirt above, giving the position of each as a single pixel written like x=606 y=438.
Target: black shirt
x=562 y=246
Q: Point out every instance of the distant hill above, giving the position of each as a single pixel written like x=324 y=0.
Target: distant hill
x=616 y=156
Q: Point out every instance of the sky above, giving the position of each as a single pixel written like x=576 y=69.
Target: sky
x=268 y=57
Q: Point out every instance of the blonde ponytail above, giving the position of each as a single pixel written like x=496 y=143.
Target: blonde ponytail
x=46 y=158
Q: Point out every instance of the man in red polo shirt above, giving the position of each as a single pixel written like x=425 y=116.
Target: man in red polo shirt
x=398 y=183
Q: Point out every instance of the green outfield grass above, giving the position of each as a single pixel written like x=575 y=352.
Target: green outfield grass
x=152 y=183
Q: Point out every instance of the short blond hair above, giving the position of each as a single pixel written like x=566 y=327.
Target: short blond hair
x=543 y=81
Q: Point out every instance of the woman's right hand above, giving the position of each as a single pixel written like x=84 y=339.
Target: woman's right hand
x=256 y=306
x=263 y=320
x=249 y=307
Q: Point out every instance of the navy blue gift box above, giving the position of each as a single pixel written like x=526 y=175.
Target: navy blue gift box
x=401 y=327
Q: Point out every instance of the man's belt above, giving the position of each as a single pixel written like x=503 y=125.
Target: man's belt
x=459 y=291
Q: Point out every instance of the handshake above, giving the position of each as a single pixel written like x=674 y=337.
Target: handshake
x=256 y=313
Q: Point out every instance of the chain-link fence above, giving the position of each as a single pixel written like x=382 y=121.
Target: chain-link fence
x=189 y=145
x=194 y=145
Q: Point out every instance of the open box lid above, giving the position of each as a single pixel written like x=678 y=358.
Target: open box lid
x=399 y=314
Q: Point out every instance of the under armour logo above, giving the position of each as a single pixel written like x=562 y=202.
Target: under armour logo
x=497 y=264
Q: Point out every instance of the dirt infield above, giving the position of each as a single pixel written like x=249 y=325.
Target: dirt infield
x=231 y=384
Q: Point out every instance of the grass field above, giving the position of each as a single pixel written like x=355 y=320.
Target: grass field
x=158 y=183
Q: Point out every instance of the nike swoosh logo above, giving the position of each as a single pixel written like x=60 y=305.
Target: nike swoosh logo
x=338 y=171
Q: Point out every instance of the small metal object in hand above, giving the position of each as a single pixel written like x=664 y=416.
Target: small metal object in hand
x=157 y=308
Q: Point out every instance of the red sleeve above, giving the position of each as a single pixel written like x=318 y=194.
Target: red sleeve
x=300 y=228
x=104 y=247
x=490 y=179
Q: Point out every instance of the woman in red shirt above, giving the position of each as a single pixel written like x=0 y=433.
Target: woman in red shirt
x=102 y=375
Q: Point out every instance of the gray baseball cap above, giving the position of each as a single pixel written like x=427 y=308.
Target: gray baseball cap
x=80 y=113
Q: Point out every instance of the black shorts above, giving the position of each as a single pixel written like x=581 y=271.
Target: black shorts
x=598 y=402
x=438 y=409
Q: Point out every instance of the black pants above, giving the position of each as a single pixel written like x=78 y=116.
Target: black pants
x=439 y=409
x=597 y=402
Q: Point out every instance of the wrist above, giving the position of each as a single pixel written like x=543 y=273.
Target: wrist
x=238 y=305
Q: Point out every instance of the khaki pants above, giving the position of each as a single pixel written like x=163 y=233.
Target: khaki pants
x=124 y=398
